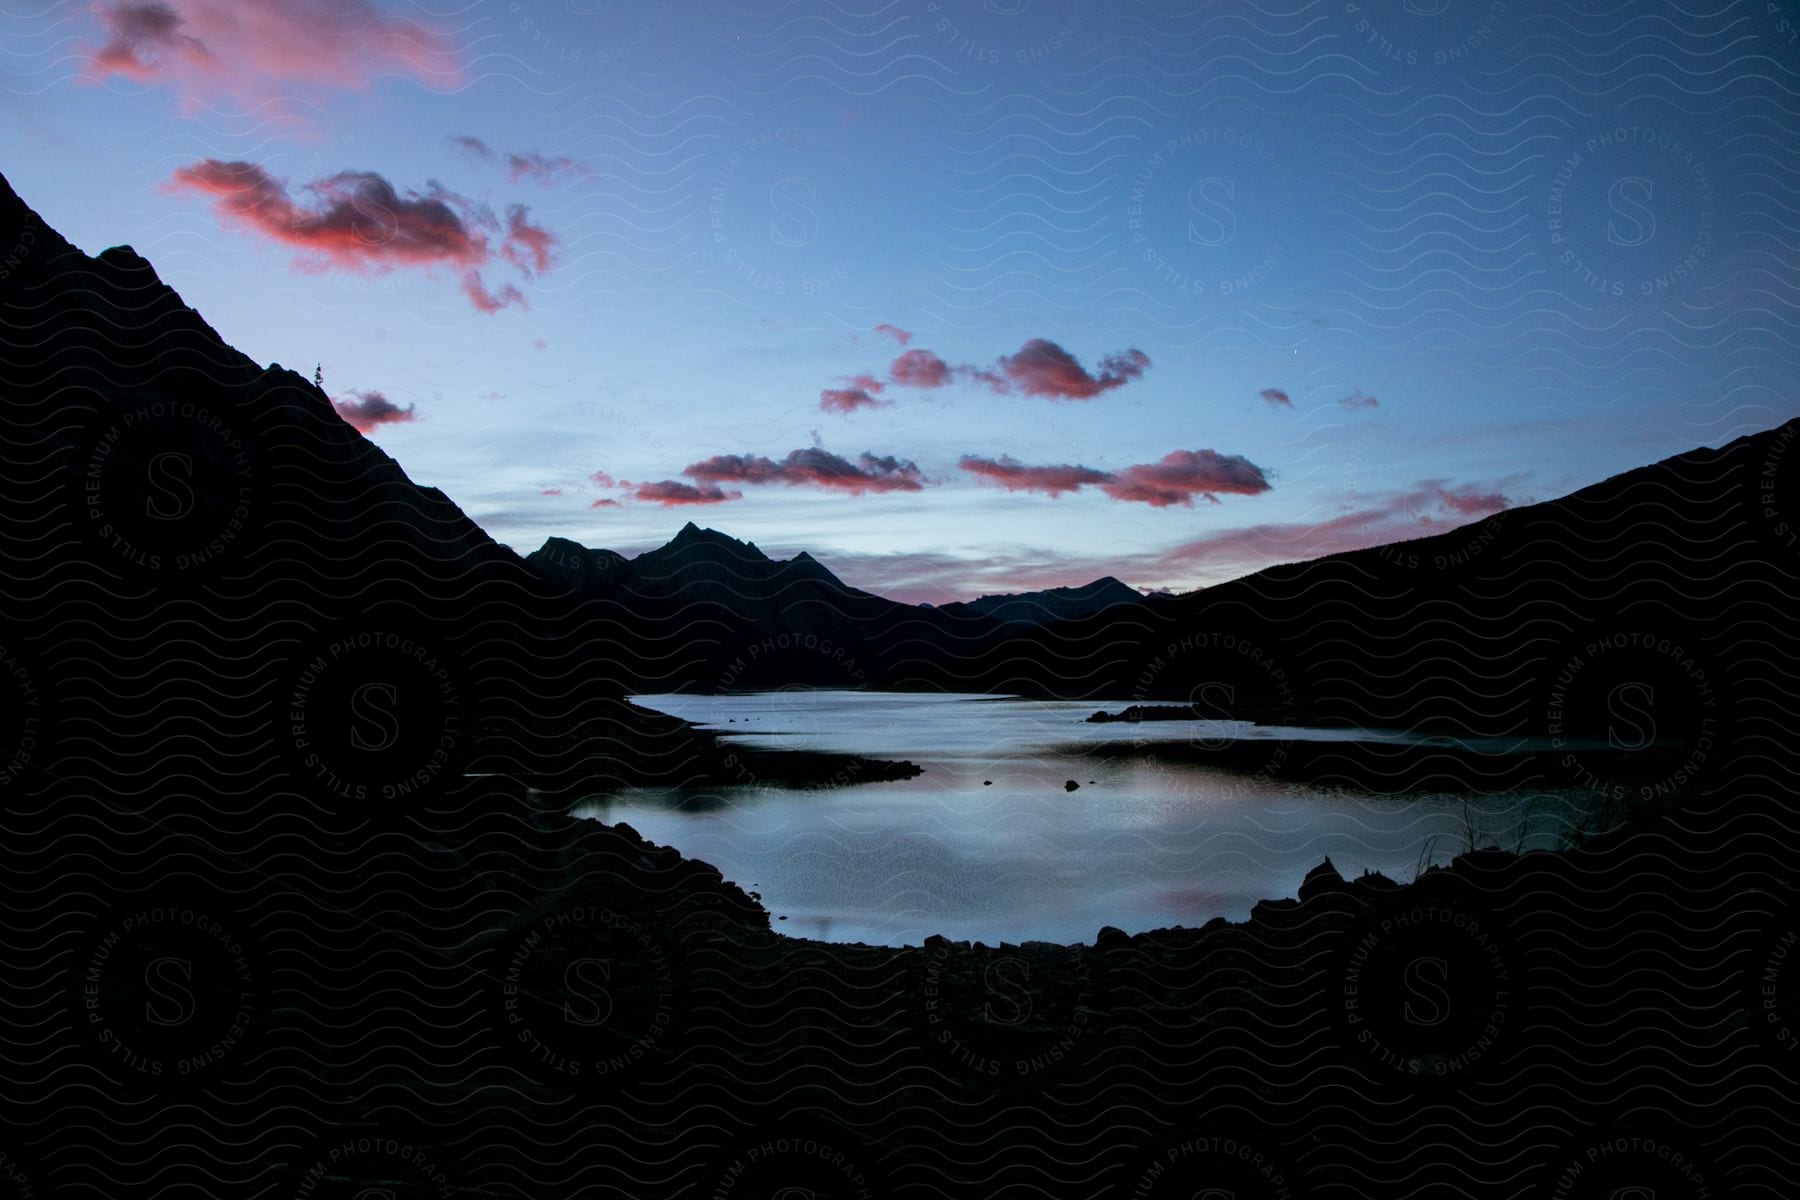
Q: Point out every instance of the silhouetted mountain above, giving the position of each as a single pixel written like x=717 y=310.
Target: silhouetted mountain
x=1051 y=604
x=749 y=621
x=1528 y=621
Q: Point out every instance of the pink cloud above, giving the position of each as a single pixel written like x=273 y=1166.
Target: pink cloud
x=602 y=478
x=1276 y=396
x=1014 y=476
x=1359 y=399
x=671 y=493
x=604 y=504
x=358 y=221
x=860 y=392
x=1180 y=476
x=894 y=331
x=1468 y=502
x=474 y=147
x=1185 y=474
x=252 y=49
x=541 y=169
x=370 y=409
x=1043 y=368
x=813 y=467
x=920 y=369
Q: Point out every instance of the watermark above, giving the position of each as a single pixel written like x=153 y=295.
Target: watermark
x=769 y=209
x=169 y=486
x=796 y=1162
x=1013 y=1014
x=1630 y=211
x=375 y=715
x=1212 y=212
x=587 y=996
x=22 y=710
x=1450 y=552
x=1780 y=21
x=1211 y=1167
x=588 y=32
x=1777 y=487
x=1223 y=680
x=1772 y=986
x=375 y=1168
x=993 y=33
x=1427 y=990
x=1418 y=33
x=16 y=256
x=16 y=1179
x=1635 y=715
x=167 y=993
x=1625 y=1166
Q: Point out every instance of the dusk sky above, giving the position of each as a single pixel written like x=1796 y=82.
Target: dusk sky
x=960 y=297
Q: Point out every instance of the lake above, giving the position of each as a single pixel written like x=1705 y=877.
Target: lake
x=987 y=845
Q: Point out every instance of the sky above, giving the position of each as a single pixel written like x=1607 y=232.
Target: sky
x=961 y=297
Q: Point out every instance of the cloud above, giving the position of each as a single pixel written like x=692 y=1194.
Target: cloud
x=813 y=466
x=1040 y=368
x=1043 y=368
x=358 y=221
x=1177 y=479
x=920 y=369
x=1359 y=399
x=540 y=169
x=472 y=146
x=370 y=409
x=1185 y=474
x=1014 y=476
x=604 y=504
x=1467 y=501
x=672 y=492
x=529 y=247
x=860 y=393
x=894 y=331
x=551 y=492
x=1276 y=396
x=602 y=478
x=253 y=48
x=1431 y=506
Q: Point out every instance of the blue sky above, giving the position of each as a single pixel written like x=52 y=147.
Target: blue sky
x=1549 y=241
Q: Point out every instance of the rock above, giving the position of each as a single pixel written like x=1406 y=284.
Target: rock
x=1111 y=937
x=1320 y=880
x=987 y=783
x=1070 y=785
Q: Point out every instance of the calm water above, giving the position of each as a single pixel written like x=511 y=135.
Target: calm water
x=1144 y=845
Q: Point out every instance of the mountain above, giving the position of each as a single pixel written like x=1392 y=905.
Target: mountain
x=1051 y=604
x=742 y=620
x=1530 y=621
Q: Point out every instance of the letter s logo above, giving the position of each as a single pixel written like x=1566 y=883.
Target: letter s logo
x=1007 y=980
x=171 y=473
x=587 y=979
x=1425 y=981
x=794 y=223
x=167 y=979
x=1214 y=702
x=1211 y=221
x=1619 y=706
x=381 y=719
x=1632 y=222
